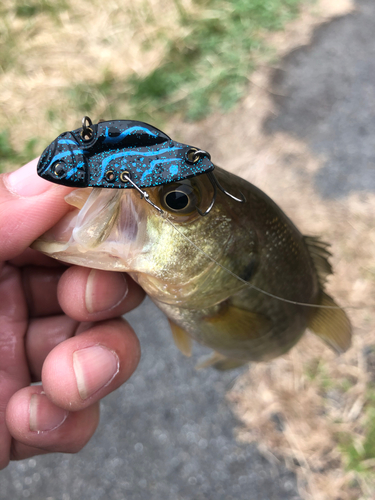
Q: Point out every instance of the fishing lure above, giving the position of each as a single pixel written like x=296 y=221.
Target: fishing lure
x=124 y=154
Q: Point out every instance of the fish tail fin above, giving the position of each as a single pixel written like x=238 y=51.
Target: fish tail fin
x=331 y=325
x=220 y=362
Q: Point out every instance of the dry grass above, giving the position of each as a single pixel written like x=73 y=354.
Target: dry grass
x=51 y=62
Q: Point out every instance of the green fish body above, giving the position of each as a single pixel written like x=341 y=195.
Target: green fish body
x=238 y=280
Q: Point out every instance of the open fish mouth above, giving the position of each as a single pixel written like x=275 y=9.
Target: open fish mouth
x=115 y=230
x=106 y=229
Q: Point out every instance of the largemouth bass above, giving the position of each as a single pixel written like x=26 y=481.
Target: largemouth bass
x=231 y=272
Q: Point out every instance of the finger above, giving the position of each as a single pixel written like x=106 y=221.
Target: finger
x=35 y=258
x=36 y=423
x=93 y=295
x=14 y=372
x=43 y=335
x=40 y=285
x=29 y=206
x=89 y=366
x=20 y=451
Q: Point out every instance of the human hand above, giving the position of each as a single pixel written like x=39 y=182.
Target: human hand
x=60 y=325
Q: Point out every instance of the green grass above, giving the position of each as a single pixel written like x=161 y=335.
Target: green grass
x=28 y=8
x=357 y=456
x=206 y=70
x=8 y=44
x=317 y=371
x=10 y=31
x=209 y=68
x=86 y=96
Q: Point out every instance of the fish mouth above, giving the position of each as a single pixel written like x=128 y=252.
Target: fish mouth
x=106 y=229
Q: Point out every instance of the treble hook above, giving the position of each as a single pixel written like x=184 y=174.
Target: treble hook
x=208 y=210
x=215 y=183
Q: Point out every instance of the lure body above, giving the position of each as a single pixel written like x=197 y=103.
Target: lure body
x=114 y=151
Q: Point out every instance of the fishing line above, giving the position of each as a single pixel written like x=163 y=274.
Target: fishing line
x=212 y=259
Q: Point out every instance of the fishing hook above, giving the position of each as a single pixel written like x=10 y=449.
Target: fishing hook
x=192 y=156
x=208 y=210
x=216 y=184
x=125 y=177
x=213 y=179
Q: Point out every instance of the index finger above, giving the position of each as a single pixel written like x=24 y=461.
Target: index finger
x=29 y=206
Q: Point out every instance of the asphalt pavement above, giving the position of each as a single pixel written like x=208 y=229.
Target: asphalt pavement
x=327 y=98
x=167 y=434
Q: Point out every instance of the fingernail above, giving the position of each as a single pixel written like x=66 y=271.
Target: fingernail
x=44 y=415
x=104 y=290
x=94 y=368
x=25 y=181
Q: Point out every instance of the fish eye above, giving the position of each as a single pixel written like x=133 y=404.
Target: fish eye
x=176 y=200
x=179 y=197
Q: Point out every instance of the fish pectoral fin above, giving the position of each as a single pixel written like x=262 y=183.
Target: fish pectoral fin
x=220 y=362
x=181 y=339
x=332 y=325
x=238 y=325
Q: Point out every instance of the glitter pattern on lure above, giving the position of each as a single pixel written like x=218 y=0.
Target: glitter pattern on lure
x=108 y=153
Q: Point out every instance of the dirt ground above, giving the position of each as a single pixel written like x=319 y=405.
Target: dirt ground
x=303 y=135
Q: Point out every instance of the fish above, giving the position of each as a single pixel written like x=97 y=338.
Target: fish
x=224 y=263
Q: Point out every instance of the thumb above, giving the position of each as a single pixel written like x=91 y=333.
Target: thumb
x=29 y=206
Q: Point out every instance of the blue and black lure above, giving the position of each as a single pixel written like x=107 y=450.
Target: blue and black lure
x=105 y=155
x=122 y=154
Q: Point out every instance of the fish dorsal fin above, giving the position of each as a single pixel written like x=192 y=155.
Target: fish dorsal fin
x=181 y=339
x=332 y=325
x=319 y=254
